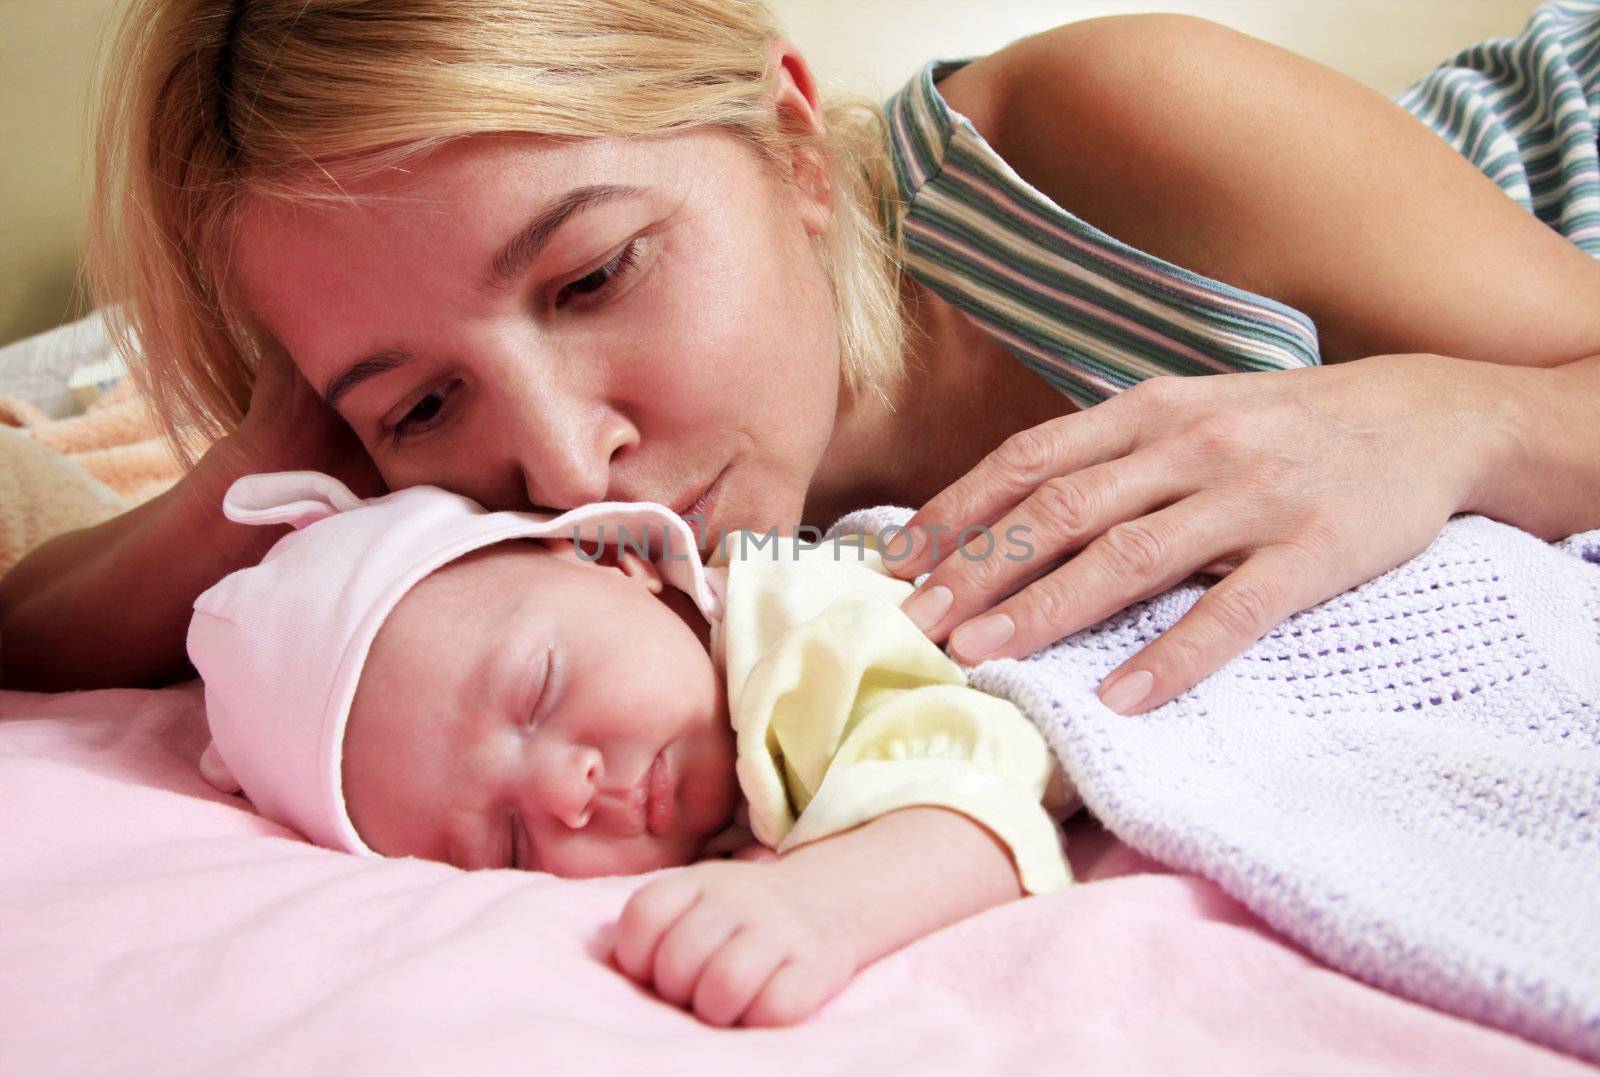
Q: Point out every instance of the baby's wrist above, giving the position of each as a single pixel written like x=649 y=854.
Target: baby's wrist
x=830 y=903
x=904 y=875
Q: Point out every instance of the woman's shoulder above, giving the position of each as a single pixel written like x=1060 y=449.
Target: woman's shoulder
x=1176 y=135
x=1109 y=58
x=1116 y=71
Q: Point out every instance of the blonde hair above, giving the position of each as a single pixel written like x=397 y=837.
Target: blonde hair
x=207 y=102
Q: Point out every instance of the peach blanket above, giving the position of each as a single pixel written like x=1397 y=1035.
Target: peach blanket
x=62 y=474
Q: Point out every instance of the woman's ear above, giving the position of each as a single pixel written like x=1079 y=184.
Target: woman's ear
x=800 y=116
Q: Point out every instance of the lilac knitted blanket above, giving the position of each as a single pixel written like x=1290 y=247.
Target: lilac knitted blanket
x=1405 y=779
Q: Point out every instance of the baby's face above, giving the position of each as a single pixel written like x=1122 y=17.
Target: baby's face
x=522 y=707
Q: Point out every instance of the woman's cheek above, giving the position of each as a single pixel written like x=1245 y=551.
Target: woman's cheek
x=698 y=349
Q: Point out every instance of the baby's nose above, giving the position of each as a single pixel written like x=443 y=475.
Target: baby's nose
x=578 y=817
x=570 y=792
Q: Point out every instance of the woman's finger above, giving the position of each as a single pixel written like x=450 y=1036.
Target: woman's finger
x=1006 y=476
x=1064 y=514
x=1238 y=610
x=1130 y=562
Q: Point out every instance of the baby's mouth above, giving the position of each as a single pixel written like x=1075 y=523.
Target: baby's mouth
x=646 y=806
x=659 y=796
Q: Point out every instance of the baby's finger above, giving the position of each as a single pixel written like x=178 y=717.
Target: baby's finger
x=1241 y=608
x=1008 y=474
x=649 y=914
x=1064 y=514
x=794 y=993
x=734 y=976
x=1130 y=562
x=686 y=949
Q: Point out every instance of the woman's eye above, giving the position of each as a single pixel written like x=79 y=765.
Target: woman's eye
x=424 y=414
x=603 y=278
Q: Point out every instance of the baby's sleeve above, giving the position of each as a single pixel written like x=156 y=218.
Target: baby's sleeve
x=854 y=713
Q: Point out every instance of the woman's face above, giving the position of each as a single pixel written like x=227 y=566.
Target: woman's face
x=540 y=324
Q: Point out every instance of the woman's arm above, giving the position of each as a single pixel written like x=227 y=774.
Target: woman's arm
x=1546 y=478
x=768 y=943
x=1249 y=164
x=109 y=606
x=1245 y=162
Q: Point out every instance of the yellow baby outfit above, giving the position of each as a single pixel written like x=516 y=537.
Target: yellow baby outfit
x=844 y=711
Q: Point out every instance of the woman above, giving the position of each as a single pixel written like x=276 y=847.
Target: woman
x=418 y=242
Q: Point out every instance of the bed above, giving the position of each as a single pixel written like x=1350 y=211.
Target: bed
x=151 y=925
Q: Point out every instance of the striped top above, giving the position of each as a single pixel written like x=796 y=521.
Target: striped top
x=1093 y=315
x=1086 y=311
x=1525 y=111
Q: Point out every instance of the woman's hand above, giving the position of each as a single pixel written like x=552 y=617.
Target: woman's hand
x=110 y=606
x=736 y=942
x=288 y=428
x=1292 y=486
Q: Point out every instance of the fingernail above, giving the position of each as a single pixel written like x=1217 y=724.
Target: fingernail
x=900 y=548
x=1124 y=694
x=927 y=607
x=909 y=556
x=977 y=640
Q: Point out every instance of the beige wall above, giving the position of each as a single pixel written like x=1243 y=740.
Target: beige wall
x=46 y=49
x=1384 y=43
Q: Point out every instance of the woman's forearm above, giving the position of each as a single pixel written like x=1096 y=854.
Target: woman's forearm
x=109 y=606
x=1543 y=471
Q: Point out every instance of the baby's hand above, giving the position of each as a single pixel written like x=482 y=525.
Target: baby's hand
x=737 y=942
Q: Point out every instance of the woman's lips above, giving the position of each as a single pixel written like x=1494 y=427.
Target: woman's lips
x=698 y=507
x=687 y=502
x=698 y=512
x=658 y=802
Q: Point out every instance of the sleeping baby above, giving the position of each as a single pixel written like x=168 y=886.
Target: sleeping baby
x=415 y=676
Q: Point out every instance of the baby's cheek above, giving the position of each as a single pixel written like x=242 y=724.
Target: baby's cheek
x=381 y=780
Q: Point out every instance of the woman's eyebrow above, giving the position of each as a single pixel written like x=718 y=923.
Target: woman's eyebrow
x=521 y=249
x=359 y=371
x=508 y=262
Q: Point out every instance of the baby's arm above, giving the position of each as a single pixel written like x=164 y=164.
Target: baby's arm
x=767 y=943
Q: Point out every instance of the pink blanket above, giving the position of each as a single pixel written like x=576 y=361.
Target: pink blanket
x=150 y=925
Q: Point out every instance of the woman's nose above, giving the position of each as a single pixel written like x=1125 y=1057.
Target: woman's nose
x=566 y=447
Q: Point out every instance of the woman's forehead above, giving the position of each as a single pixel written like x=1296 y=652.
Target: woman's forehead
x=318 y=274
x=430 y=196
x=477 y=168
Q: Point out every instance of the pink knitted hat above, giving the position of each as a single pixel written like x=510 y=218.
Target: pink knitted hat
x=281 y=645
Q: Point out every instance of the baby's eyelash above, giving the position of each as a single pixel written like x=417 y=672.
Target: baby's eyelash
x=547 y=676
